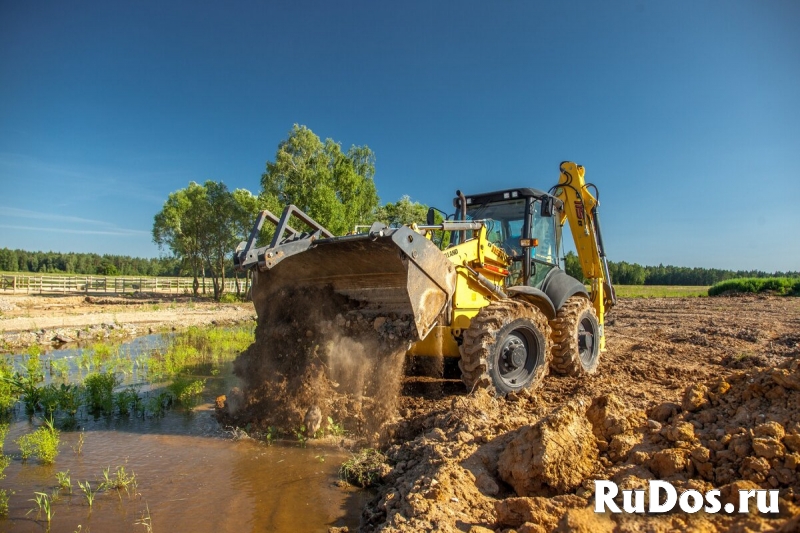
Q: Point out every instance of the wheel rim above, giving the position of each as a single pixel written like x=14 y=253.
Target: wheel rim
x=587 y=341
x=517 y=358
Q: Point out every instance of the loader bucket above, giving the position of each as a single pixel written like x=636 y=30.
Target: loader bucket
x=388 y=271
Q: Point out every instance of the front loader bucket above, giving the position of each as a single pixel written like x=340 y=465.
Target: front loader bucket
x=388 y=270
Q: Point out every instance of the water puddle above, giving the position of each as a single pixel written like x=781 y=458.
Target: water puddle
x=190 y=476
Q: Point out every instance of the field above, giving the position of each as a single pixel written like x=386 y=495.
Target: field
x=660 y=291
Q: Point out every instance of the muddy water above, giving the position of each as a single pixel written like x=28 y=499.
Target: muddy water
x=191 y=477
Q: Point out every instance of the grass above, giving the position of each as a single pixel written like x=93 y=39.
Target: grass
x=100 y=392
x=88 y=493
x=660 y=291
x=64 y=481
x=782 y=286
x=186 y=390
x=42 y=443
x=120 y=480
x=44 y=503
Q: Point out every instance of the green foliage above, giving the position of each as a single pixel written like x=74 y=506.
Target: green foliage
x=48 y=399
x=59 y=368
x=42 y=443
x=158 y=404
x=660 y=291
x=337 y=430
x=404 y=211
x=120 y=480
x=3 y=502
x=9 y=392
x=64 y=481
x=128 y=401
x=88 y=493
x=335 y=188
x=100 y=392
x=623 y=273
x=363 y=469
x=572 y=266
x=186 y=390
x=300 y=435
x=785 y=286
x=24 y=386
x=44 y=504
x=3 y=435
x=201 y=225
x=80 y=263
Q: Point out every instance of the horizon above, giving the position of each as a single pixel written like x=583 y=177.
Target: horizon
x=683 y=114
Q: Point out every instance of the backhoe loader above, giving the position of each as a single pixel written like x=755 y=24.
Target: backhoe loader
x=493 y=295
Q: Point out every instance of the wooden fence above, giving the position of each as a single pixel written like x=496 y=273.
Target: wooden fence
x=48 y=284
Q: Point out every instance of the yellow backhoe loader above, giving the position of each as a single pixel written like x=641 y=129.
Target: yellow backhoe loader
x=495 y=296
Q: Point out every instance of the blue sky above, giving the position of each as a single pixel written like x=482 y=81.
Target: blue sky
x=685 y=114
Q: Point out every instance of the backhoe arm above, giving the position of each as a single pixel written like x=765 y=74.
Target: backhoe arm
x=580 y=208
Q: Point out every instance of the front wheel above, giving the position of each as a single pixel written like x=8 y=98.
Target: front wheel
x=576 y=338
x=507 y=346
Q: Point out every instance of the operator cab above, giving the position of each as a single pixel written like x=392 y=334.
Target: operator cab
x=516 y=222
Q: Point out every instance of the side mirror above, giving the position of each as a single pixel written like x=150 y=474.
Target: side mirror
x=430 y=218
x=547 y=206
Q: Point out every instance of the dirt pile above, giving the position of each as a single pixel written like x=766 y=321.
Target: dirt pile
x=318 y=355
x=486 y=463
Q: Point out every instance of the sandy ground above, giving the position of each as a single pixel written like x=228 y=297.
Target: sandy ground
x=26 y=320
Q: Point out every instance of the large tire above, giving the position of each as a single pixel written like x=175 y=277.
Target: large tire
x=507 y=347
x=576 y=338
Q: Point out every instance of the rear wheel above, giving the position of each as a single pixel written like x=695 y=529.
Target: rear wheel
x=507 y=347
x=576 y=338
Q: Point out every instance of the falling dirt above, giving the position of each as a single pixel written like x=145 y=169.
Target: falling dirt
x=320 y=357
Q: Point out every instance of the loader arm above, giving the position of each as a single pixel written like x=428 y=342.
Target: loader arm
x=580 y=209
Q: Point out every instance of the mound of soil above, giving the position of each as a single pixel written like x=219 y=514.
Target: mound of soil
x=483 y=464
x=316 y=356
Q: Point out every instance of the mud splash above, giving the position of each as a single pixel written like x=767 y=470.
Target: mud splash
x=317 y=356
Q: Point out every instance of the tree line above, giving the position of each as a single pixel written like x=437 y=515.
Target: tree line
x=87 y=264
x=624 y=273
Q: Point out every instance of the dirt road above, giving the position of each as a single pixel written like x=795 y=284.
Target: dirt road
x=26 y=320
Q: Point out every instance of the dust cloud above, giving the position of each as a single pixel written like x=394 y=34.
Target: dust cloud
x=317 y=352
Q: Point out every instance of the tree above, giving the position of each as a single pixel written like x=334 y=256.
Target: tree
x=404 y=211
x=202 y=225
x=180 y=224
x=334 y=188
x=572 y=266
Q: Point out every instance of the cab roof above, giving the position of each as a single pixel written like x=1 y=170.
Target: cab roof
x=506 y=194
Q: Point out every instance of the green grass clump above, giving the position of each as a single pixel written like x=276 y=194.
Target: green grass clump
x=42 y=443
x=128 y=401
x=100 y=392
x=9 y=394
x=784 y=286
x=186 y=390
